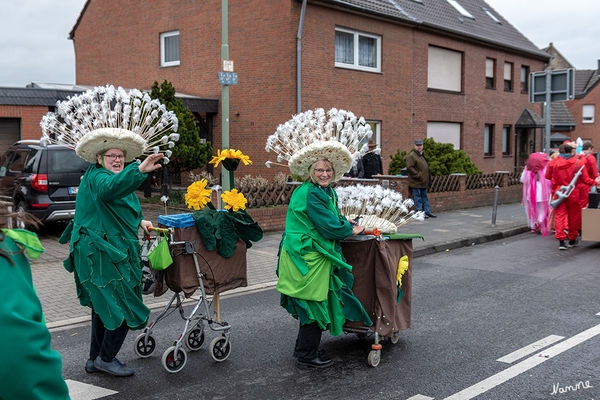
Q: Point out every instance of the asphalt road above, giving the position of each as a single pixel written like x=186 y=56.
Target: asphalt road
x=471 y=307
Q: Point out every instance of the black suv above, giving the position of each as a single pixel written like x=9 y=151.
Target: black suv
x=41 y=180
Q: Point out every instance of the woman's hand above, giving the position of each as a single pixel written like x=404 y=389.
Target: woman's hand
x=357 y=229
x=151 y=163
x=145 y=225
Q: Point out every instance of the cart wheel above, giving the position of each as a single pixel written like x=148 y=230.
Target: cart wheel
x=144 y=349
x=172 y=363
x=395 y=337
x=374 y=358
x=194 y=339
x=218 y=350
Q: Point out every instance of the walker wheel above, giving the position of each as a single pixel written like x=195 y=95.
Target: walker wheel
x=194 y=339
x=144 y=348
x=374 y=358
x=219 y=350
x=395 y=337
x=174 y=363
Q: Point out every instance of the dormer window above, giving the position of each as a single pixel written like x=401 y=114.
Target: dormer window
x=491 y=15
x=460 y=9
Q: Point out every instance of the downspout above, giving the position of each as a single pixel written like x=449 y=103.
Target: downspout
x=299 y=60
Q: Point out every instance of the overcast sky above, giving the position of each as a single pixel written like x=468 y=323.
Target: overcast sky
x=35 y=48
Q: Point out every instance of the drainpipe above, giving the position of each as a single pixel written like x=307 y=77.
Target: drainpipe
x=299 y=60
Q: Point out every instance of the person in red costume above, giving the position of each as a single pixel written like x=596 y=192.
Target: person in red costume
x=561 y=171
x=592 y=169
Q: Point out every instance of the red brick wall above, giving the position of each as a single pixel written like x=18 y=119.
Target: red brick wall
x=30 y=119
x=262 y=43
x=586 y=131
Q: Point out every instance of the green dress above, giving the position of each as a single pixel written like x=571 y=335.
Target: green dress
x=30 y=369
x=314 y=279
x=105 y=249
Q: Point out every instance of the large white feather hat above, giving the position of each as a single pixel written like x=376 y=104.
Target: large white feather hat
x=315 y=135
x=104 y=118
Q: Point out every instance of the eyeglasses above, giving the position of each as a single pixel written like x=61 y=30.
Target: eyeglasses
x=115 y=156
x=323 y=171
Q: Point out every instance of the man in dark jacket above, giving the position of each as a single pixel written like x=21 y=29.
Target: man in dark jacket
x=417 y=168
x=372 y=161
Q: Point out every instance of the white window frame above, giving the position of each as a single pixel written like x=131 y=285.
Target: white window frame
x=355 y=65
x=588 y=117
x=163 y=36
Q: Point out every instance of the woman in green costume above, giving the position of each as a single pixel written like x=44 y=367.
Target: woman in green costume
x=314 y=280
x=30 y=369
x=105 y=253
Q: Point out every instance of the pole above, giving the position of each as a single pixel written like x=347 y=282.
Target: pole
x=225 y=175
x=547 y=112
x=495 y=210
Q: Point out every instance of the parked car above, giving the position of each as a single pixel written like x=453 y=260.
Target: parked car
x=41 y=180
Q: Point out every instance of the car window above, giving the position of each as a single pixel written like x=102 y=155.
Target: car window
x=6 y=158
x=18 y=161
x=64 y=161
x=30 y=160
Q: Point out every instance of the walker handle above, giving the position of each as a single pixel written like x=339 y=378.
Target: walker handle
x=160 y=230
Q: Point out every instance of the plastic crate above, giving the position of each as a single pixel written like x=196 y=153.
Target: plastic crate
x=177 y=220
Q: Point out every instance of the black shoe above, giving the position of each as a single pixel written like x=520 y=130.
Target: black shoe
x=574 y=242
x=562 y=245
x=316 y=362
x=430 y=215
x=90 y=367
x=115 y=367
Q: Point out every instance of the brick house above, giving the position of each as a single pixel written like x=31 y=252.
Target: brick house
x=454 y=70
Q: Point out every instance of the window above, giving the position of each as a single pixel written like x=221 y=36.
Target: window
x=490 y=76
x=169 y=49
x=524 y=79
x=444 y=69
x=376 y=129
x=488 y=140
x=357 y=50
x=588 y=114
x=460 y=9
x=445 y=132
x=506 y=140
x=491 y=15
x=508 y=67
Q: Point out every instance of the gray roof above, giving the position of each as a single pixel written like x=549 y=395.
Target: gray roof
x=441 y=15
x=585 y=80
x=560 y=115
x=529 y=119
x=41 y=94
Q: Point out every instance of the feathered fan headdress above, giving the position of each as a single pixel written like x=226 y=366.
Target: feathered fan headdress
x=103 y=118
x=376 y=207
x=314 y=135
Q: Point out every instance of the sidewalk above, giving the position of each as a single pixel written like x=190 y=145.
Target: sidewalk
x=450 y=230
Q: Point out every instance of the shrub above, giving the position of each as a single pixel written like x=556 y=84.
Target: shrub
x=443 y=159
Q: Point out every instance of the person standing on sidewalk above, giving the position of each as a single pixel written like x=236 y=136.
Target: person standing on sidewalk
x=104 y=251
x=372 y=161
x=567 y=216
x=419 y=178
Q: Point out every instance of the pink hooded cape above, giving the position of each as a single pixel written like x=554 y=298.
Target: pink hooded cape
x=537 y=204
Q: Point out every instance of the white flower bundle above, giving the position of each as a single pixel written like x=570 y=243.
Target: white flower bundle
x=376 y=207
x=114 y=113
x=315 y=134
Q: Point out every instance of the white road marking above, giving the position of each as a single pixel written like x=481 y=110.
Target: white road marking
x=530 y=348
x=524 y=365
x=420 y=397
x=84 y=391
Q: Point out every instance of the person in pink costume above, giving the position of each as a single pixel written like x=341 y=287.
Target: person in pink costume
x=536 y=192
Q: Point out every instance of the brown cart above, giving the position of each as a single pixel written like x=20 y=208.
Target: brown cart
x=374 y=263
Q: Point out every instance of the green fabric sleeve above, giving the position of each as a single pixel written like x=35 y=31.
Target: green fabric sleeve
x=29 y=240
x=111 y=186
x=30 y=369
x=329 y=224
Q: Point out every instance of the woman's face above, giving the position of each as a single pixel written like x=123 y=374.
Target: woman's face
x=322 y=172
x=114 y=160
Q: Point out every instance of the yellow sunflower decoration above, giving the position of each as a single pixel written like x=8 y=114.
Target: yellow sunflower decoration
x=234 y=200
x=197 y=195
x=230 y=154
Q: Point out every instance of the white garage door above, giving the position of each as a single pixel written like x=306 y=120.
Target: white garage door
x=10 y=132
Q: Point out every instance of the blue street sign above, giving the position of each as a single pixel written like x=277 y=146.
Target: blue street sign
x=228 y=78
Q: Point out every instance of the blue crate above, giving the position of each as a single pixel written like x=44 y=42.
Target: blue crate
x=177 y=220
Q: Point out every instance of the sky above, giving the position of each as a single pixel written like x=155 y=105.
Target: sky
x=35 y=46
